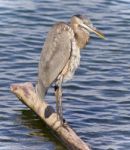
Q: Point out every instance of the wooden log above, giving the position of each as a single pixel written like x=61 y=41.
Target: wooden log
x=26 y=93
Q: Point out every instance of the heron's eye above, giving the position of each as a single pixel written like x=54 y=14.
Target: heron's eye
x=79 y=16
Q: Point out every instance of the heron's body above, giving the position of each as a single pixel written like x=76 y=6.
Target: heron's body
x=73 y=62
x=60 y=56
x=66 y=56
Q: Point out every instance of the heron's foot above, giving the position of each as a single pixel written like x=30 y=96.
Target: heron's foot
x=61 y=119
x=64 y=124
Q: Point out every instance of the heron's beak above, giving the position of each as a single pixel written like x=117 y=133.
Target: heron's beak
x=94 y=30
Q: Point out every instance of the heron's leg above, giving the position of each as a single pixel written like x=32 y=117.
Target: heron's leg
x=57 y=100
x=60 y=104
x=58 y=94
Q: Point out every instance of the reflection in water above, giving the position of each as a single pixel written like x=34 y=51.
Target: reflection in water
x=37 y=127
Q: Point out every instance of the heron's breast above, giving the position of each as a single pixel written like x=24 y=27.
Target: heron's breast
x=73 y=62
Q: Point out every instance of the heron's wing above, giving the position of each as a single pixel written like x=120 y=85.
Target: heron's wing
x=56 y=53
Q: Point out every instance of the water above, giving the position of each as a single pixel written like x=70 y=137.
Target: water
x=97 y=100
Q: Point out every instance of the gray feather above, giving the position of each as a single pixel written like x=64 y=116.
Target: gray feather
x=54 y=56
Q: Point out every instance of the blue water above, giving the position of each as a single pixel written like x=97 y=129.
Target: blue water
x=96 y=102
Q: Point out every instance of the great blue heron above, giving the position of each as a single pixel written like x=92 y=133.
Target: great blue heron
x=60 y=55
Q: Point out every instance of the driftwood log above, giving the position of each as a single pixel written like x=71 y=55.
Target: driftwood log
x=26 y=93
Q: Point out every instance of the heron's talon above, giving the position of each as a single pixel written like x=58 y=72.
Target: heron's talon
x=61 y=123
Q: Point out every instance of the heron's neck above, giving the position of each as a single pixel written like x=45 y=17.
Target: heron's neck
x=81 y=36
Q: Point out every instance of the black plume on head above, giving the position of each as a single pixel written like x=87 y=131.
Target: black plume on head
x=79 y=16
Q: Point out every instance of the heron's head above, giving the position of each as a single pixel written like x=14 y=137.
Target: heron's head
x=84 y=23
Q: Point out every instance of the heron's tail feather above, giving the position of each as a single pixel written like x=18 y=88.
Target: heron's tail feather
x=40 y=90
